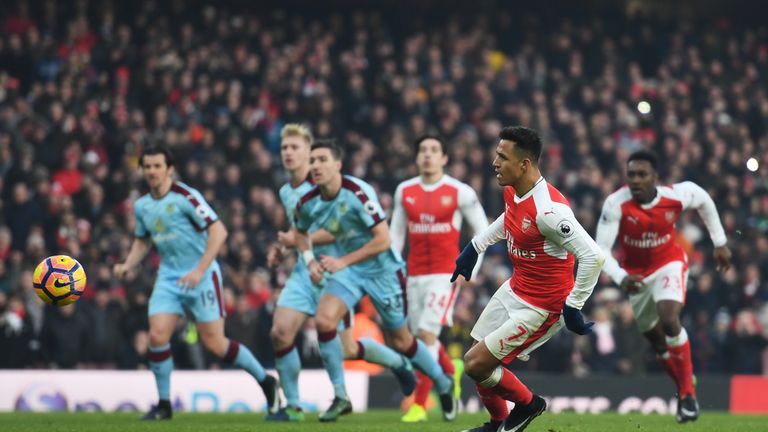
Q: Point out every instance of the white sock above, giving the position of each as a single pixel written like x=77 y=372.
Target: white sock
x=679 y=340
x=494 y=379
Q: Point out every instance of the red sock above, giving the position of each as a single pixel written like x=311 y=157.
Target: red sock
x=423 y=386
x=496 y=406
x=511 y=389
x=680 y=362
x=666 y=364
x=445 y=361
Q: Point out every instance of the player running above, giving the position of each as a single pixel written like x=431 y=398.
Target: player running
x=299 y=298
x=542 y=236
x=654 y=268
x=430 y=208
x=188 y=234
x=348 y=208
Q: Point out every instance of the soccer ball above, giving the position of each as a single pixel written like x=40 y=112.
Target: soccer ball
x=59 y=280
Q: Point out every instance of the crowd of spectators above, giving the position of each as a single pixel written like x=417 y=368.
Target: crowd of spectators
x=85 y=86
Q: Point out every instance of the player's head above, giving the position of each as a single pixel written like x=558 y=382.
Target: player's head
x=431 y=155
x=157 y=164
x=325 y=161
x=517 y=154
x=642 y=175
x=295 y=142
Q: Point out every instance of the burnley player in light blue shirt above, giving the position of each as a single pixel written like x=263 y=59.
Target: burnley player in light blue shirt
x=349 y=210
x=188 y=235
x=299 y=296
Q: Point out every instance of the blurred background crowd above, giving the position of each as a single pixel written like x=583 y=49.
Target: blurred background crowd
x=85 y=86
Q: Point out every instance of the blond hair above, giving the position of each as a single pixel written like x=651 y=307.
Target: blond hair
x=294 y=129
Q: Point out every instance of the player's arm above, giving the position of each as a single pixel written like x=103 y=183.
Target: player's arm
x=303 y=240
x=489 y=236
x=141 y=245
x=397 y=231
x=139 y=249
x=304 y=245
x=319 y=237
x=467 y=259
x=562 y=228
x=473 y=213
x=204 y=218
x=607 y=230
x=693 y=196
x=217 y=235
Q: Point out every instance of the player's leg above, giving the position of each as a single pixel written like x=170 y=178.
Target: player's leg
x=164 y=309
x=338 y=298
x=297 y=302
x=439 y=297
x=678 y=359
x=415 y=294
x=669 y=294
x=161 y=327
x=404 y=342
x=647 y=320
x=286 y=324
x=387 y=293
x=506 y=329
x=374 y=352
x=205 y=303
x=237 y=354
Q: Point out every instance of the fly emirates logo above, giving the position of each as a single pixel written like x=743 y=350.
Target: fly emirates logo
x=427 y=225
x=517 y=252
x=648 y=240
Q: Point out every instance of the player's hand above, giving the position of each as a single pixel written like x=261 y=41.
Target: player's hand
x=574 y=320
x=275 y=255
x=315 y=272
x=465 y=263
x=632 y=283
x=190 y=280
x=332 y=264
x=119 y=270
x=287 y=238
x=722 y=258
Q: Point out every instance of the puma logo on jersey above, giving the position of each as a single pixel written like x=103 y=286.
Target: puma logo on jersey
x=633 y=219
x=410 y=200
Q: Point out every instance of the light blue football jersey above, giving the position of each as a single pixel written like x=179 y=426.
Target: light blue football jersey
x=177 y=225
x=349 y=217
x=290 y=197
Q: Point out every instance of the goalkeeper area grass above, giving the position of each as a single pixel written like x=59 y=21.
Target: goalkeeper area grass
x=378 y=420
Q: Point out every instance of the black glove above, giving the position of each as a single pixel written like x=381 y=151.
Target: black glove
x=574 y=320
x=465 y=263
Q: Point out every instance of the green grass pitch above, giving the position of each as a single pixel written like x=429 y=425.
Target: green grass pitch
x=384 y=421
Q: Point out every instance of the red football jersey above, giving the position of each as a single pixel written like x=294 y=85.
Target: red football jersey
x=646 y=232
x=543 y=270
x=432 y=216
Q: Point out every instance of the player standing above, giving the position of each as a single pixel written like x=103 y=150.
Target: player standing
x=299 y=297
x=188 y=234
x=430 y=208
x=542 y=236
x=348 y=208
x=654 y=268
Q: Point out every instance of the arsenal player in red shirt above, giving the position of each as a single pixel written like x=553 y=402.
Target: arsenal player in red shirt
x=654 y=268
x=429 y=211
x=543 y=238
